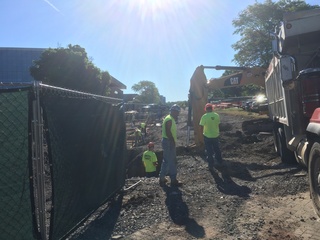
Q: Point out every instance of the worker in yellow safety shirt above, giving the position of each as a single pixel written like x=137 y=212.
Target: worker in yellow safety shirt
x=169 y=140
x=143 y=131
x=150 y=161
x=209 y=124
x=137 y=136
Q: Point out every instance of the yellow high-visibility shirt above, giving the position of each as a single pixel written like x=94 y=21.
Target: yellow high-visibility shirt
x=210 y=122
x=173 y=127
x=148 y=158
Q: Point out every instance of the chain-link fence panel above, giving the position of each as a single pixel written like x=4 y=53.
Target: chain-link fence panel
x=87 y=149
x=16 y=218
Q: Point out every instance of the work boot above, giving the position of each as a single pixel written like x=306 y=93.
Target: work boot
x=176 y=183
x=211 y=169
x=162 y=182
x=220 y=164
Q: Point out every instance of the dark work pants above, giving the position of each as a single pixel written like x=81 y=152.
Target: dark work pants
x=151 y=174
x=212 y=148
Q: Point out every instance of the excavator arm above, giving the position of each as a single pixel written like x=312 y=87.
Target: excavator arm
x=200 y=86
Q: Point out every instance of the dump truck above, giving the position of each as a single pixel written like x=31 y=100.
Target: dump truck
x=293 y=92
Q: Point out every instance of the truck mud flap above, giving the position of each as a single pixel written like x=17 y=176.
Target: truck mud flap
x=257 y=125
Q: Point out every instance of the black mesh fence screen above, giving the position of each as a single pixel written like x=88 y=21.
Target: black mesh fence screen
x=87 y=149
x=16 y=221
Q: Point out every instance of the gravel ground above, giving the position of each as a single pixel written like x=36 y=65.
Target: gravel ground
x=231 y=202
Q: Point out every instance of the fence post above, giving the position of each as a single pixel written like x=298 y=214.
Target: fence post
x=38 y=161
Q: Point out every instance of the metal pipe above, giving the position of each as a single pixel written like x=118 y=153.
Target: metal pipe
x=125 y=189
x=225 y=67
x=38 y=161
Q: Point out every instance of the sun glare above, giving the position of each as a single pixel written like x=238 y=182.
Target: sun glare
x=153 y=8
x=152 y=4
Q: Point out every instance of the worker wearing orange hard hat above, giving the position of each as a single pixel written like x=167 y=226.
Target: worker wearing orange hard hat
x=150 y=161
x=209 y=124
x=208 y=105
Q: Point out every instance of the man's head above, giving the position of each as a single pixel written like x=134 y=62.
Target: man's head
x=150 y=145
x=174 y=111
x=208 y=107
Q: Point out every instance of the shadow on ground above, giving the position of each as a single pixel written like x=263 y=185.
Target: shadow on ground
x=179 y=212
x=102 y=227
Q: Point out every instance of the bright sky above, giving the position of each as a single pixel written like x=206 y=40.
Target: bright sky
x=162 y=41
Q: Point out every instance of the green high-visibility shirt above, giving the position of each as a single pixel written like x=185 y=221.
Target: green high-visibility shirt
x=210 y=122
x=137 y=132
x=173 y=127
x=148 y=158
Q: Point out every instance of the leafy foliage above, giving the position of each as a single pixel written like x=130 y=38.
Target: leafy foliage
x=254 y=24
x=70 y=68
x=254 y=47
x=148 y=92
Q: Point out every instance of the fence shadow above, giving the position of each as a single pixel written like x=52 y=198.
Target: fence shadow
x=103 y=225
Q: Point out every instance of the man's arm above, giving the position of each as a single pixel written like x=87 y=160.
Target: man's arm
x=143 y=159
x=201 y=124
x=155 y=160
x=201 y=128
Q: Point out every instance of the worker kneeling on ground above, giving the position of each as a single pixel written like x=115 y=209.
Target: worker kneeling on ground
x=150 y=161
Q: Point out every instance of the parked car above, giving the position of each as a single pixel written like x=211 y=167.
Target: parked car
x=248 y=105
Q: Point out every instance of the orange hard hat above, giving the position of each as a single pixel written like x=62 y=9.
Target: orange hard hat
x=208 y=106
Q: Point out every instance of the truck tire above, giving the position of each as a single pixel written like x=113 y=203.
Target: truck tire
x=285 y=154
x=314 y=176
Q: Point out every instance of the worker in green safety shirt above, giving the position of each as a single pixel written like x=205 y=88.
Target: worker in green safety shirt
x=209 y=124
x=150 y=161
x=169 y=140
x=143 y=126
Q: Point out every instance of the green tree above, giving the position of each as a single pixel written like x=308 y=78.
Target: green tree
x=216 y=93
x=148 y=92
x=254 y=25
x=70 y=68
x=254 y=47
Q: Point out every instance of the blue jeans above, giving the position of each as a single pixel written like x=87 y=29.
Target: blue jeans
x=213 y=149
x=169 y=162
